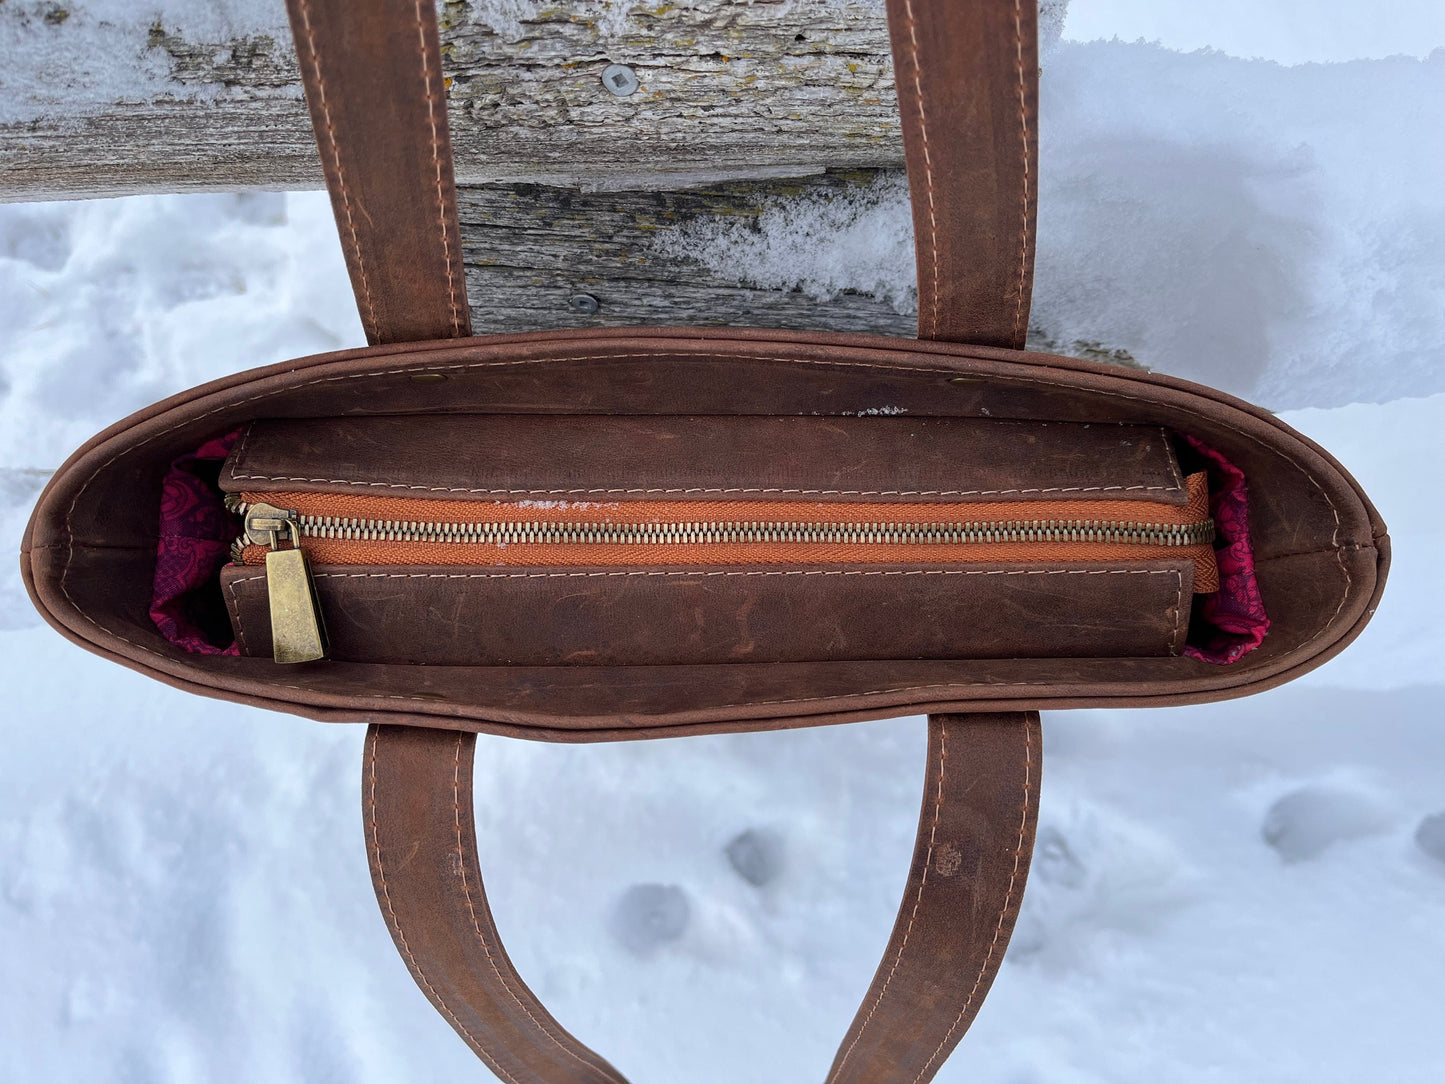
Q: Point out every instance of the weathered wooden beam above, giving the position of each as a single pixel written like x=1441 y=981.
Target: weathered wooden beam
x=531 y=250
x=568 y=192
x=726 y=89
x=538 y=256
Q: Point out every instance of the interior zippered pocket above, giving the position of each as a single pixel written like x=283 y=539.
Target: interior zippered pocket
x=660 y=540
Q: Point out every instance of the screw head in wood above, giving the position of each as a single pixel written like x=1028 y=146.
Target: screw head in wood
x=620 y=80
x=585 y=304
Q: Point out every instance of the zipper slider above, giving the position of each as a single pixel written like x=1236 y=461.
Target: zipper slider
x=296 y=630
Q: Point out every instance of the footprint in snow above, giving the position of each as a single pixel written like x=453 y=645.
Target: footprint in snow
x=1430 y=836
x=1096 y=874
x=1307 y=821
x=39 y=236
x=649 y=916
x=756 y=855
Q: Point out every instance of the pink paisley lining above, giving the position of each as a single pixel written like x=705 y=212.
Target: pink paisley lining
x=196 y=533
x=195 y=541
x=1233 y=618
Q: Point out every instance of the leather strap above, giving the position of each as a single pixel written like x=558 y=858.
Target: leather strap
x=970 y=862
x=967 y=74
x=373 y=78
x=416 y=797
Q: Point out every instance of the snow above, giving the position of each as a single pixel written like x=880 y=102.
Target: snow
x=1246 y=891
x=1277 y=232
x=1285 y=31
x=91 y=54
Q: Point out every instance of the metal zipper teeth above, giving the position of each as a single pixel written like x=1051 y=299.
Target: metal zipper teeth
x=718 y=533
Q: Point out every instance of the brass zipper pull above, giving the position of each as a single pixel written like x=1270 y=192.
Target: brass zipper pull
x=296 y=630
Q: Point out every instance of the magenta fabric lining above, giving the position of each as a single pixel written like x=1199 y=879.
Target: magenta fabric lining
x=1234 y=615
x=194 y=543
x=196 y=533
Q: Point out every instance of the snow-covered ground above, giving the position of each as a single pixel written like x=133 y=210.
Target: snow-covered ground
x=1250 y=891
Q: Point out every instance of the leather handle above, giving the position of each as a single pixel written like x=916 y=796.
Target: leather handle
x=373 y=78
x=968 y=76
x=417 y=809
x=970 y=862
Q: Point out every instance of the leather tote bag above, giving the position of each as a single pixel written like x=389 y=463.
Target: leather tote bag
x=637 y=533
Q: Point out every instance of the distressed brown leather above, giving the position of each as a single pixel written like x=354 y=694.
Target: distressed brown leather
x=373 y=78
x=670 y=615
x=970 y=863
x=416 y=798
x=607 y=457
x=967 y=77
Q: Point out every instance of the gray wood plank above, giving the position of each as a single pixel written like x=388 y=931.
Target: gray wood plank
x=531 y=249
x=727 y=88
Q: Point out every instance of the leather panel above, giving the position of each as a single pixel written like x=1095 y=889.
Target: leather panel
x=448 y=616
x=630 y=457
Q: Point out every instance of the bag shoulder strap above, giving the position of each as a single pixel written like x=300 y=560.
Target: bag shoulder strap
x=970 y=862
x=967 y=73
x=373 y=77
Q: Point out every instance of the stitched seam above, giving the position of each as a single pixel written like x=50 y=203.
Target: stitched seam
x=477 y=926
x=706 y=489
x=1172 y=460
x=917 y=901
x=927 y=167
x=236 y=610
x=394 y=921
x=369 y=316
x=729 y=572
x=1003 y=911
x=768 y=703
x=1181 y=626
x=70 y=512
x=1024 y=195
x=431 y=112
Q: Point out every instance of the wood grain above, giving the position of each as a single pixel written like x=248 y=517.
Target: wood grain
x=728 y=89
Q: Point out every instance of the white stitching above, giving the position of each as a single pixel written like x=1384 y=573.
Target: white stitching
x=703 y=489
x=370 y=314
x=1181 y=625
x=927 y=167
x=730 y=572
x=913 y=915
x=1024 y=195
x=436 y=141
x=236 y=609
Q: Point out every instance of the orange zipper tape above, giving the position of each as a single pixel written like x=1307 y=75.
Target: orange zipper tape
x=330 y=551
